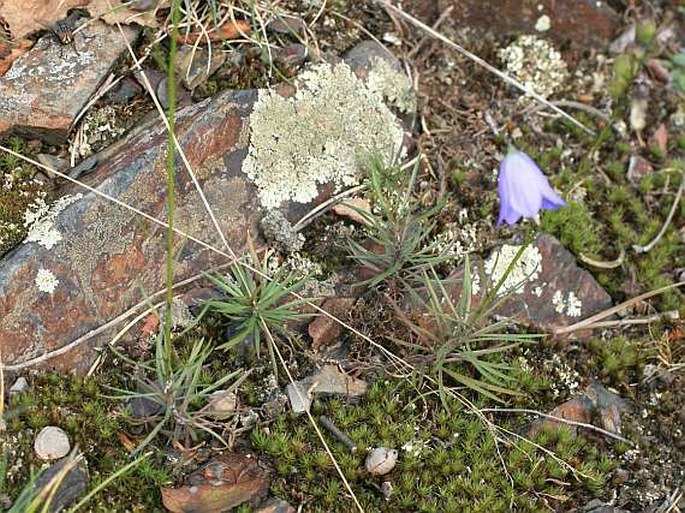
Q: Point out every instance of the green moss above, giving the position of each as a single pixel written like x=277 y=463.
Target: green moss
x=18 y=190
x=94 y=424
x=454 y=468
x=618 y=360
x=575 y=227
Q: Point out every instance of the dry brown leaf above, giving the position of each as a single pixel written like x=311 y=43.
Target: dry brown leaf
x=113 y=12
x=351 y=209
x=28 y=16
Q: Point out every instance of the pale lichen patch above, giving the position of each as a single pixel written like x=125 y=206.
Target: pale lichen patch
x=392 y=86
x=46 y=281
x=571 y=306
x=526 y=269
x=39 y=218
x=535 y=63
x=320 y=135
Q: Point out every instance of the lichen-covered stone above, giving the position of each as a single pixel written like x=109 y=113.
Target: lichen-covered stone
x=92 y=260
x=545 y=289
x=48 y=86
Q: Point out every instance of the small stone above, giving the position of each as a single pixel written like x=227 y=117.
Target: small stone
x=72 y=484
x=191 y=65
x=51 y=443
x=299 y=396
x=274 y=505
x=249 y=419
x=125 y=91
x=144 y=407
x=387 y=490
x=19 y=386
x=381 y=461
x=637 y=168
x=222 y=404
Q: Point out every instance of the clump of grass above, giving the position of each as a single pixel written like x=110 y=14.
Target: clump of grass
x=178 y=391
x=401 y=231
x=455 y=342
x=257 y=302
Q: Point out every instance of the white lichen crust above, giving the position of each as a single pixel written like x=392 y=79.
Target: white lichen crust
x=571 y=306
x=39 y=218
x=390 y=85
x=535 y=63
x=323 y=134
x=46 y=281
x=526 y=269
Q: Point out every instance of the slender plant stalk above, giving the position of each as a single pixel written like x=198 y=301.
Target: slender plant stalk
x=171 y=148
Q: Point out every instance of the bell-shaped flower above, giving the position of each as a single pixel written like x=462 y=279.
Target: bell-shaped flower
x=523 y=189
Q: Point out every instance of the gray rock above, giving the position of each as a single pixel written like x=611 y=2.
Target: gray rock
x=19 y=386
x=73 y=484
x=48 y=86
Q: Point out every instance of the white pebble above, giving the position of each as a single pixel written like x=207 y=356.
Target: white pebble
x=51 y=443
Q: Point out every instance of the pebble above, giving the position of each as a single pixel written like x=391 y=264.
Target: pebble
x=381 y=461
x=51 y=443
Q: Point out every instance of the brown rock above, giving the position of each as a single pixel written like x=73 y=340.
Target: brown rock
x=638 y=167
x=222 y=484
x=94 y=260
x=48 y=86
x=580 y=23
x=558 y=293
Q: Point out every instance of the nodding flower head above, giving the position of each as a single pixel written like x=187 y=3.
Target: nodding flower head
x=523 y=189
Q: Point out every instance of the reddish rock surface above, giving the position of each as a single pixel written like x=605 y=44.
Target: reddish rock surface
x=105 y=260
x=581 y=23
x=46 y=88
x=546 y=301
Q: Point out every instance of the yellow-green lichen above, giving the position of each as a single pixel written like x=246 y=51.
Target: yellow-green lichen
x=320 y=135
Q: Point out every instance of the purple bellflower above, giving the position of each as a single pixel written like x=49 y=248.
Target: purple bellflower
x=523 y=189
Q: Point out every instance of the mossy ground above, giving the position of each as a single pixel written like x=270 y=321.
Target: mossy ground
x=18 y=190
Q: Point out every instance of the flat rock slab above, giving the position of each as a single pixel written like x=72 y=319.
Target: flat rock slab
x=46 y=88
x=88 y=260
x=546 y=289
x=581 y=23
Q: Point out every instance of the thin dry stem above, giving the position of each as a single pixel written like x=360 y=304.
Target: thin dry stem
x=590 y=321
x=644 y=249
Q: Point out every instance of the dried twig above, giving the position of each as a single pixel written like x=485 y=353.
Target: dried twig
x=337 y=433
x=589 y=323
x=561 y=420
x=679 y=194
x=609 y=264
